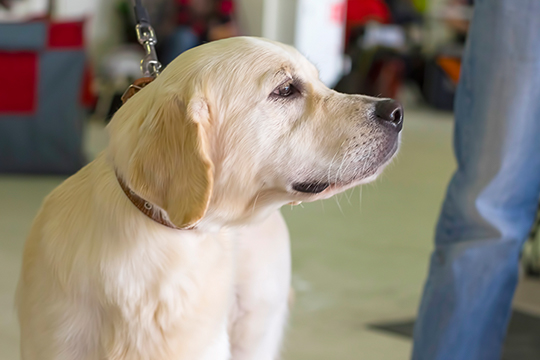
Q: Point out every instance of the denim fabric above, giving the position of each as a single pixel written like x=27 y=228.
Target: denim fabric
x=491 y=201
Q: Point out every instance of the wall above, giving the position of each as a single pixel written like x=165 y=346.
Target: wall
x=272 y=19
x=249 y=14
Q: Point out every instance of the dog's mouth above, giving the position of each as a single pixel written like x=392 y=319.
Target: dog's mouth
x=317 y=187
x=310 y=187
x=367 y=174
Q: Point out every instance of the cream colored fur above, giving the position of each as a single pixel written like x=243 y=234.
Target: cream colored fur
x=211 y=146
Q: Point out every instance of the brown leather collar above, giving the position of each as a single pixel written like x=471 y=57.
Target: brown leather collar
x=146 y=207
x=135 y=88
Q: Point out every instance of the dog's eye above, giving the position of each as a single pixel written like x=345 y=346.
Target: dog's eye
x=284 y=90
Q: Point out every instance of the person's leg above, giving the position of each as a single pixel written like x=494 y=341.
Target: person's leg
x=491 y=201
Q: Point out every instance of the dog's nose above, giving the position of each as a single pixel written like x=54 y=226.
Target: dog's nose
x=390 y=111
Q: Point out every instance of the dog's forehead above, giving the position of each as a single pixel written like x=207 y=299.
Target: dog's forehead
x=239 y=60
x=291 y=59
x=270 y=57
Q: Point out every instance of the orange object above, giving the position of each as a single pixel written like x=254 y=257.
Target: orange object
x=451 y=66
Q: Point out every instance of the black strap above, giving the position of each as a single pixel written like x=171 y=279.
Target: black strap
x=141 y=15
x=150 y=65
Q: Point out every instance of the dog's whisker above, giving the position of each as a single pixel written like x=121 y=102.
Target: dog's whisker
x=330 y=166
x=349 y=163
x=339 y=205
x=350 y=196
x=366 y=161
x=339 y=169
x=342 y=160
x=360 y=192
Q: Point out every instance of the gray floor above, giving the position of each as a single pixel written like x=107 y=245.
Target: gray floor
x=358 y=259
x=522 y=340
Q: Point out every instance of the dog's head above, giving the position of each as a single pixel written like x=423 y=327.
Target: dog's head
x=239 y=127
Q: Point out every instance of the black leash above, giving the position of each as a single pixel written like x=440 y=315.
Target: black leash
x=150 y=66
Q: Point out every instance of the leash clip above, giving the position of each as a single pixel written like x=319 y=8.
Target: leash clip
x=150 y=66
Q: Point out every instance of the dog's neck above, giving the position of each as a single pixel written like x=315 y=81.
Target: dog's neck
x=147 y=208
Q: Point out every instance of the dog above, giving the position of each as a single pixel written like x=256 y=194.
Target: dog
x=170 y=244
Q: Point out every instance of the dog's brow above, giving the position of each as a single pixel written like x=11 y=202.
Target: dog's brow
x=282 y=73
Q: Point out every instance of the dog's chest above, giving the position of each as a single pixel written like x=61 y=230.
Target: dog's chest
x=198 y=276
x=176 y=287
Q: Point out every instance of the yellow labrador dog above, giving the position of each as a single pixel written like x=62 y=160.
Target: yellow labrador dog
x=170 y=246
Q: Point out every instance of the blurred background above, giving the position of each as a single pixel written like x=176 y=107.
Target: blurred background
x=359 y=259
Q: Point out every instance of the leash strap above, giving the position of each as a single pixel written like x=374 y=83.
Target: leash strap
x=150 y=65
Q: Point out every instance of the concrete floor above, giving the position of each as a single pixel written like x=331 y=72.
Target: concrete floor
x=358 y=259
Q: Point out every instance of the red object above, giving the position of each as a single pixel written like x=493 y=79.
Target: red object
x=19 y=82
x=226 y=7
x=88 y=98
x=359 y=12
x=66 y=35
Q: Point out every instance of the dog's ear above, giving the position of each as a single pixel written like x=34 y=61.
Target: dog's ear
x=170 y=166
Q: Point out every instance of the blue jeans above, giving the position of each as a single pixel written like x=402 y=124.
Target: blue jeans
x=491 y=201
